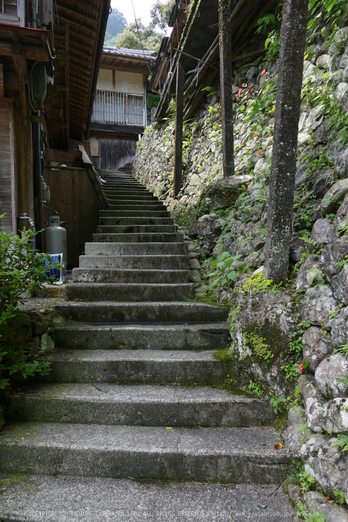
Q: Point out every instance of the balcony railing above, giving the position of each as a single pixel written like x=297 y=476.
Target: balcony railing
x=119 y=108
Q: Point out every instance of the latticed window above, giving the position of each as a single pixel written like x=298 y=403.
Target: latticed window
x=9 y=7
x=118 y=107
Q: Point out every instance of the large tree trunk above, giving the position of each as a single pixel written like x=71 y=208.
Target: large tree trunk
x=282 y=185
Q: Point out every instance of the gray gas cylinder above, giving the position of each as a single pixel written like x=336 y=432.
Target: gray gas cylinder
x=55 y=237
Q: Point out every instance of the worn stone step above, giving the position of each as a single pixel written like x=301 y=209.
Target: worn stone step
x=143 y=196
x=135 y=229
x=138 y=204
x=111 y=214
x=128 y=292
x=146 y=237
x=137 y=220
x=135 y=202
x=207 y=336
x=124 y=249
x=232 y=455
x=112 y=275
x=125 y=500
x=142 y=405
x=172 y=312
x=170 y=262
x=141 y=192
x=134 y=367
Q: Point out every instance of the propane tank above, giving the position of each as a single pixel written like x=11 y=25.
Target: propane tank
x=55 y=237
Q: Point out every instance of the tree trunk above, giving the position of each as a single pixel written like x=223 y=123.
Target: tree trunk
x=282 y=184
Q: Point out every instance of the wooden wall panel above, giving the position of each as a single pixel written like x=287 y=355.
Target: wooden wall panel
x=115 y=153
x=74 y=198
x=7 y=168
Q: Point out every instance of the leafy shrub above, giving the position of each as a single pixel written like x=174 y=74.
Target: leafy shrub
x=21 y=271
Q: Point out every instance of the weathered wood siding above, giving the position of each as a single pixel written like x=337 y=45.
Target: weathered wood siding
x=74 y=198
x=114 y=153
x=7 y=168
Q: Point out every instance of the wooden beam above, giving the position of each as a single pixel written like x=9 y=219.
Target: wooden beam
x=67 y=79
x=22 y=73
x=74 y=13
x=30 y=52
x=180 y=80
x=226 y=81
x=2 y=91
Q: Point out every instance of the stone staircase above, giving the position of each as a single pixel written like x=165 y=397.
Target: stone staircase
x=128 y=398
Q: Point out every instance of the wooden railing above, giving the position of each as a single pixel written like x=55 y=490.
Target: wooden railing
x=119 y=107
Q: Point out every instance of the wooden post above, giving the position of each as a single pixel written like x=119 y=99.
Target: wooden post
x=2 y=89
x=179 y=115
x=225 y=48
x=282 y=183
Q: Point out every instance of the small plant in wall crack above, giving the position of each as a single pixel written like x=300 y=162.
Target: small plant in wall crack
x=222 y=273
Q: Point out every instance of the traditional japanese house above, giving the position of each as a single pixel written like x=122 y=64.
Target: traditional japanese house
x=119 y=110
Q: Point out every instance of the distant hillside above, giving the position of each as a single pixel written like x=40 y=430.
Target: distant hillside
x=116 y=25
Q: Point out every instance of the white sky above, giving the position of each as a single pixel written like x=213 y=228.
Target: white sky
x=141 y=7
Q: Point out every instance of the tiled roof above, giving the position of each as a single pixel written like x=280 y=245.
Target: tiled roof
x=131 y=53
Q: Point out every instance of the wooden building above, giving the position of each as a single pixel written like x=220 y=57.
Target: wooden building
x=50 y=52
x=119 y=110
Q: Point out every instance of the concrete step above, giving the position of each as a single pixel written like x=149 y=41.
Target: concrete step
x=124 y=249
x=134 y=367
x=128 y=292
x=146 y=237
x=128 y=192
x=170 y=262
x=136 y=205
x=232 y=455
x=137 y=220
x=207 y=336
x=112 y=275
x=143 y=405
x=135 y=229
x=110 y=214
x=125 y=500
x=171 y=312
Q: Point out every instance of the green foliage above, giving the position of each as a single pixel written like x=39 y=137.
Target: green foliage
x=292 y=370
x=21 y=271
x=341 y=442
x=222 y=273
x=152 y=100
x=339 y=496
x=160 y=14
x=280 y=404
x=115 y=26
x=322 y=12
x=253 y=387
x=342 y=349
x=138 y=36
x=335 y=312
x=343 y=229
x=258 y=346
x=295 y=344
x=303 y=479
x=309 y=517
x=258 y=283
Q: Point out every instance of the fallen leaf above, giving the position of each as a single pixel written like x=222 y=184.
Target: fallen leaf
x=263 y=444
x=68 y=352
x=264 y=428
x=169 y=428
x=278 y=446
